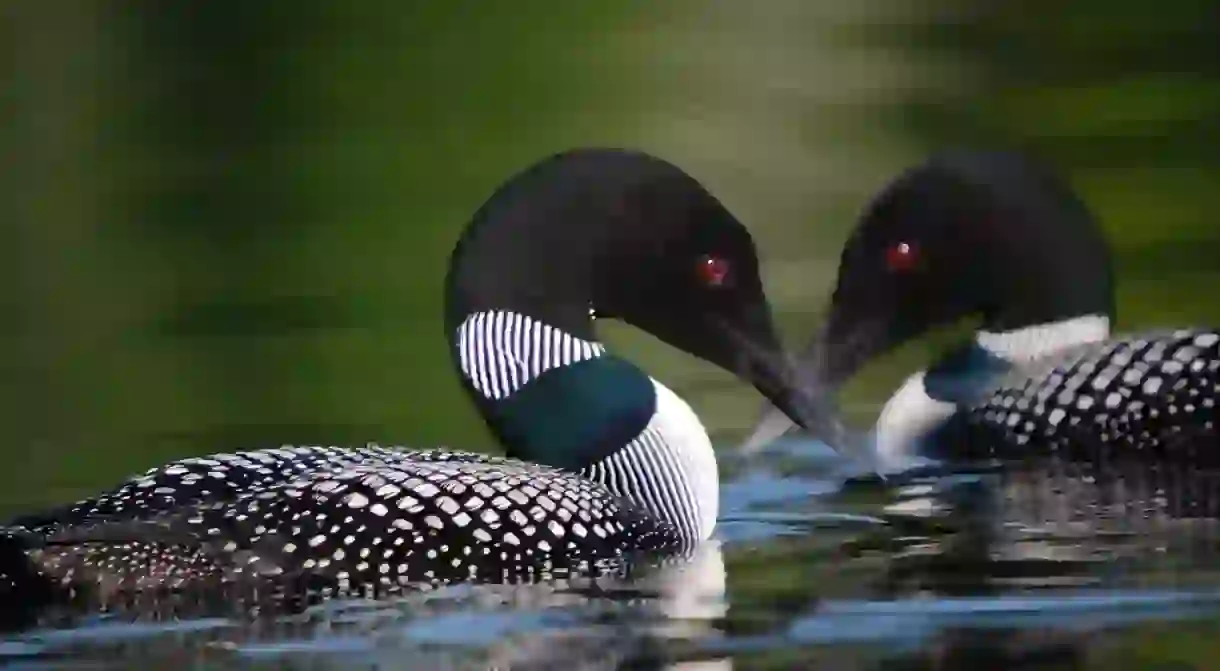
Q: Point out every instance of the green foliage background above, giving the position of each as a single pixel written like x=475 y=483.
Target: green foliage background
x=223 y=224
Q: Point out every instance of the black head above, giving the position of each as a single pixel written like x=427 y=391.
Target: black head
x=629 y=236
x=679 y=266
x=967 y=234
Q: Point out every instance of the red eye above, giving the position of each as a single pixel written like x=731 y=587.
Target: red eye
x=713 y=271
x=901 y=257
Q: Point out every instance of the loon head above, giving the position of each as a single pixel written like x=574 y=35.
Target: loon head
x=595 y=234
x=990 y=236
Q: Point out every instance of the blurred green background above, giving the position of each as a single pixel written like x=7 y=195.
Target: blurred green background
x=225 y=224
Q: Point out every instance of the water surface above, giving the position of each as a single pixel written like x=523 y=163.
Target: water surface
x=809 y=569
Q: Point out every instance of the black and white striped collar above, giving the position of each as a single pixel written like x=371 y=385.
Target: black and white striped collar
x=500 y=351
x=1032 y=342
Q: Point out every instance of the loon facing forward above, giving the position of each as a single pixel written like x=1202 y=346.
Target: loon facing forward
x=602 y=459
x=995 y=236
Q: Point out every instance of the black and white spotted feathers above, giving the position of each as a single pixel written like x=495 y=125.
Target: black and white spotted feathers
x=339 y=521
x=1143 y=396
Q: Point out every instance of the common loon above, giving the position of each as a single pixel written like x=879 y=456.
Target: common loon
x=602 y=460
x=1000 y=237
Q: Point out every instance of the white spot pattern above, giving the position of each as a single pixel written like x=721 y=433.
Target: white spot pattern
x=345 y=511
x=1150 y=391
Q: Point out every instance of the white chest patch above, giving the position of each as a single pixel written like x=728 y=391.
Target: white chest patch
x=669 y=469
x=908 y=416
x=679 y=427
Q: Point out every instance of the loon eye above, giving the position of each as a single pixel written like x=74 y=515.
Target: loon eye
x=901 y=257
x=713 y=271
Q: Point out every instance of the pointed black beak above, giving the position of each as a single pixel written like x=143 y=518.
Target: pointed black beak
x=795 y=395
x=831 y=358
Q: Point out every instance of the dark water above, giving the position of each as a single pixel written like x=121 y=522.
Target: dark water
x=940 y=571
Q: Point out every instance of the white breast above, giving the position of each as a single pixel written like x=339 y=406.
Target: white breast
x=687 y=440
x=906 y=419
x=669 y=469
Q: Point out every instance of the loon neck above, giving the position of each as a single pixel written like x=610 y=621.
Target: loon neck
x=558 y=399
x=1038 y=340
x=669 y=468
x=927 y=399
x=961 y=373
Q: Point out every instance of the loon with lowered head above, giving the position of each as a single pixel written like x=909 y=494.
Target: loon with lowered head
x=602 y=460
x=999 y=237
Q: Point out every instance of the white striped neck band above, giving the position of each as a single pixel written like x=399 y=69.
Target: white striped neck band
x=501 y=351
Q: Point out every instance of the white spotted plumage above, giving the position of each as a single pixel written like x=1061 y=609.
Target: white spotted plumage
x=1143 y=392
x=325 y=522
